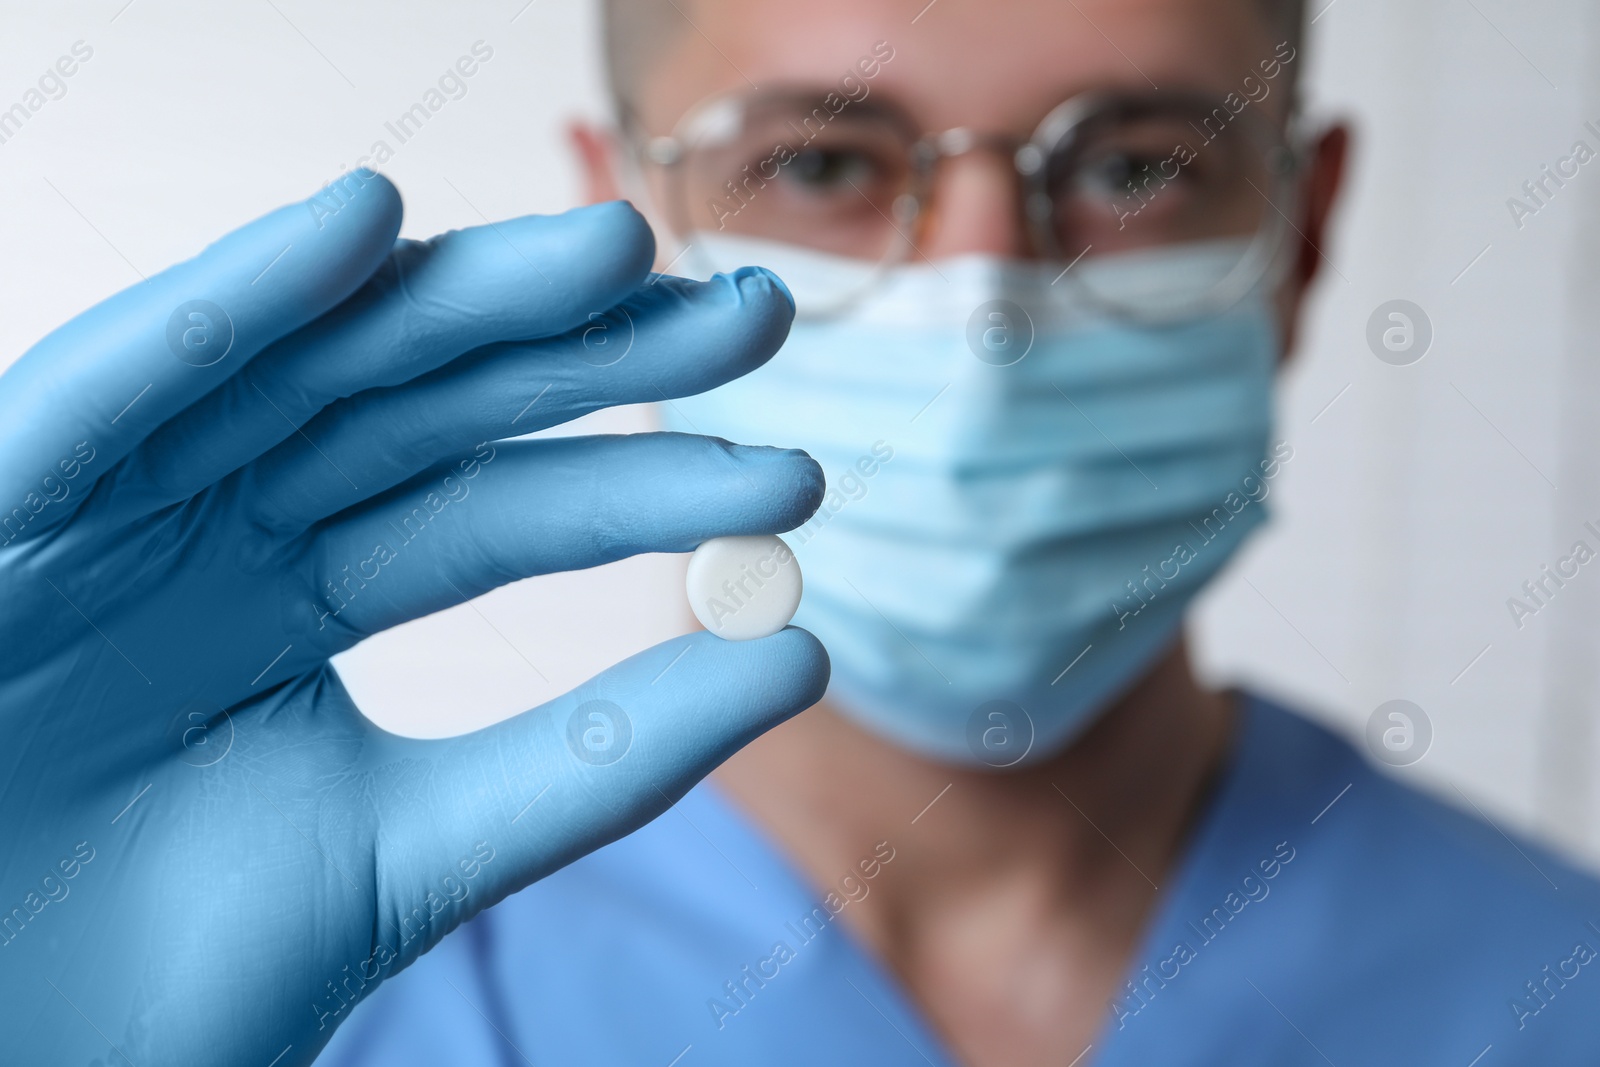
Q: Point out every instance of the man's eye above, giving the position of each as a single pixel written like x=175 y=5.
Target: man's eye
x=1117 y=173
x=823 y=170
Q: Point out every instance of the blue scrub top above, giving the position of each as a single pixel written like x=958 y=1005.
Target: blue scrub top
x=1322 y=914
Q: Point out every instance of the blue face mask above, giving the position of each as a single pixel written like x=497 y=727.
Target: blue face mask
x=1023 y=496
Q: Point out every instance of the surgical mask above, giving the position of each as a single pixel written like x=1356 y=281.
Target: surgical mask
x=1023 y=495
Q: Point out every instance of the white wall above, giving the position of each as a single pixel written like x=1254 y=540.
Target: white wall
x=1427 y=494
x=1415 y=505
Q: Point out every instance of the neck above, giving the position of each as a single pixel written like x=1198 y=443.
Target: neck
x=1111 y=810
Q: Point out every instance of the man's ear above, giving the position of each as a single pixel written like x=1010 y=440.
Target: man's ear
x=599 y=157
x=1324 y=177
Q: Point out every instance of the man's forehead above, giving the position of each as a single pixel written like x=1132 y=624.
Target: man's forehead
x=956 y=62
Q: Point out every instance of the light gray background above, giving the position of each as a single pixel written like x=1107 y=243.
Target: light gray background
x=1419 y=498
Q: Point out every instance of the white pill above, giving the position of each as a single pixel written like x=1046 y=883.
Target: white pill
x=742 y=588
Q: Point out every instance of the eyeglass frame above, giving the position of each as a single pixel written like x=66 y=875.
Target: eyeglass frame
x=1284 y=154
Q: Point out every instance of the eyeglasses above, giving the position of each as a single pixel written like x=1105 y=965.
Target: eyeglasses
x=1104 y=177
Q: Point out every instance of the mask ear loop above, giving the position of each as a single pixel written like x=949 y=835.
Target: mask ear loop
x=1273 y=255
x=1282 y=251
x=1301 y=134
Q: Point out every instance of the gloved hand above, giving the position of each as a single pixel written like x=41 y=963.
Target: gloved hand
x=217 y=479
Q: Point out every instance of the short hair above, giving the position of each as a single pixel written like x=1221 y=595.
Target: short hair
x=635 y=32
x=1287 y=20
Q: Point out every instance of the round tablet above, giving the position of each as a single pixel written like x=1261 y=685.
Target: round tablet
x=742 y=588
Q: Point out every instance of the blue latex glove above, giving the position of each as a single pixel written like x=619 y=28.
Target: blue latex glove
x=217 y=479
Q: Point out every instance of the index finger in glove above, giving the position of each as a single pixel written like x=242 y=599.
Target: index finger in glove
x=431 y=301
x=98 y=385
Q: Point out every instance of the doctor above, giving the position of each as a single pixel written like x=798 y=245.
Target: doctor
x=1047 y=259
x=1042 y=262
